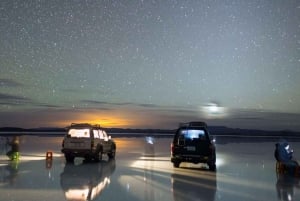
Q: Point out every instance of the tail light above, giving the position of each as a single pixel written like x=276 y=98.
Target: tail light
x=172 y=148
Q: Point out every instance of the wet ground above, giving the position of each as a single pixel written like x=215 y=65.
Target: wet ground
x=142 y=171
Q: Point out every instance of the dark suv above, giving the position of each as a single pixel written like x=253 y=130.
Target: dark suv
x=192 y=143
x=87 y=141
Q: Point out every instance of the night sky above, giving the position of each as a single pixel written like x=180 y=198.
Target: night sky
x=150 y=64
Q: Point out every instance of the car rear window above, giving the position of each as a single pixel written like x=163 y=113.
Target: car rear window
x=192 y=134
x=79 y=133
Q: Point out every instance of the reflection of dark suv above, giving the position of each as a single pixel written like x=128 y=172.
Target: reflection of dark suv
x=86 y=181
x=193 y=187
x=88 y=141
x=192 y=143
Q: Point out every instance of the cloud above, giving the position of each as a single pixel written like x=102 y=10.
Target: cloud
x=93 y=102
x=145 y=117
x=9 y=83
x=13 y=100
x=148 y=105
x=6 y=99
x=47 y=105
x=260 y=119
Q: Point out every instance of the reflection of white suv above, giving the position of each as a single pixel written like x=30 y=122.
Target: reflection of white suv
x=86 y=181
x=87 y=141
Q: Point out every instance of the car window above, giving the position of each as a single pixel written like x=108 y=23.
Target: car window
x=191 y=134
x=79 y=133
x=96 y=134
x=104 y=134
x=101 y=134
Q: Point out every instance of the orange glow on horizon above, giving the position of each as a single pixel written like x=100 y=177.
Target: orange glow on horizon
x=120 y=120
x=113 y=118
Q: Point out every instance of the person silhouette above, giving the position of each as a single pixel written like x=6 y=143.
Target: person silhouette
x=13 y=154
x=284 y=154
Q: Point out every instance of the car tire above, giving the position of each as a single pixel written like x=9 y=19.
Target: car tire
x=112 y=154
x=212 y=167
x=176 y=164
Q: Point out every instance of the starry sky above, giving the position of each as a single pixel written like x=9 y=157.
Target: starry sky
x=150 y=64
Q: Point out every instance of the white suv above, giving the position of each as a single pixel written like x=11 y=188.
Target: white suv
x=87 y=141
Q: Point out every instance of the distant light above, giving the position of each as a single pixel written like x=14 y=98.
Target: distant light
x=213 y=110
x=150 y=140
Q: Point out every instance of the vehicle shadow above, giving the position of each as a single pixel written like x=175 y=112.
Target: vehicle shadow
x=86 y=181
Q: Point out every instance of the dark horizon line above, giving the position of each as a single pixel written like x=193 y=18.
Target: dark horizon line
x=212 y=129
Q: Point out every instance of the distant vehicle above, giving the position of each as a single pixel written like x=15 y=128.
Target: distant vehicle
x=192 y=143
x=86 y=181
x=87 y=141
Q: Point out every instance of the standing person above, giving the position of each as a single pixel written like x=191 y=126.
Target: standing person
x=13 y=154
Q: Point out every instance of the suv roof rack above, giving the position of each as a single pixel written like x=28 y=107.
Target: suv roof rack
x=193 y=124
x=80 y=125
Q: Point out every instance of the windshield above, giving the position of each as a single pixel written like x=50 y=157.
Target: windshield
x=193 y=134
x=79 y=133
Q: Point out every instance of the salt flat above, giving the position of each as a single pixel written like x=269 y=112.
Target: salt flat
x=142 y=171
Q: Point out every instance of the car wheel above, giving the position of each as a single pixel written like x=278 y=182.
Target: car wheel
x=112 y=154
x=176 y=164
x=98 y=156
x=69 y=158
x=212 y=167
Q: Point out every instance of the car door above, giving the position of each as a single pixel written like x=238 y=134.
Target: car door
x=97 y=139
x=107 y=142
x=104 y=140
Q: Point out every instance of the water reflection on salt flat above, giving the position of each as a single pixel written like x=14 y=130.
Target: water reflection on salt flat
x=86 y=181
x=142 y=171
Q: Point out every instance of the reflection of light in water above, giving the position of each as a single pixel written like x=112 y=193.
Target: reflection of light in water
x=221 y=159
x=77 y=194
x=99 y=188
x=141 y=189
x=141 y=184
x=85 y=191
x=128 y=187
x=220 y=162
x=160 y=163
